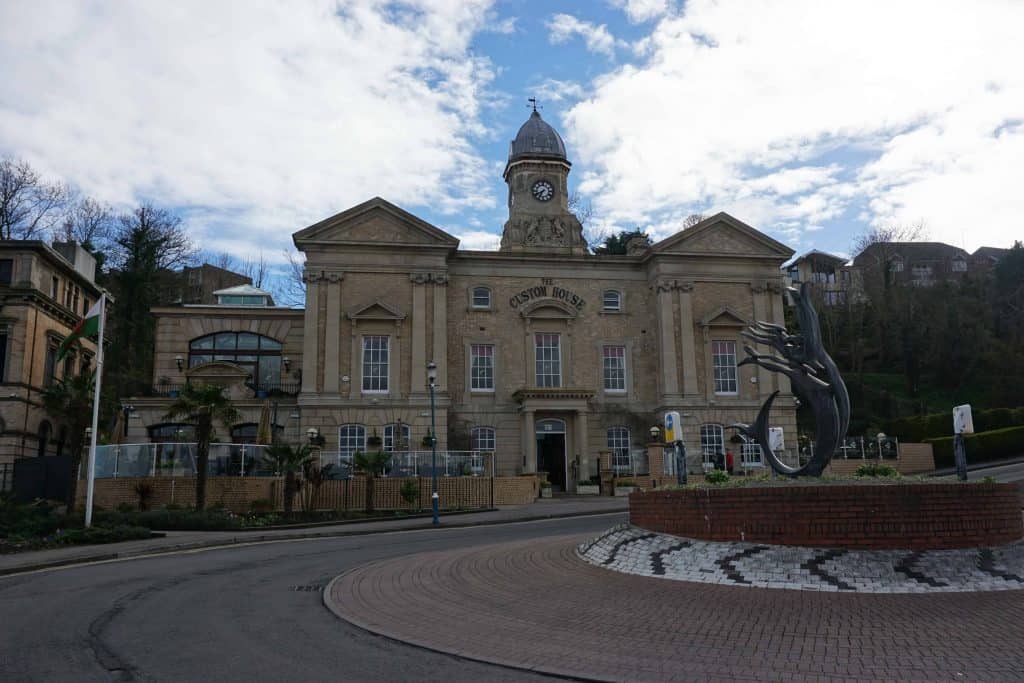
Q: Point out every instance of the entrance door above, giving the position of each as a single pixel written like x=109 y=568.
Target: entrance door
x=551 y=452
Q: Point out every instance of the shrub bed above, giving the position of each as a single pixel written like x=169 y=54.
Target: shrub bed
x=980 y=446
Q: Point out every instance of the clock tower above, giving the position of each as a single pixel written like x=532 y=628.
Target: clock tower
x=537 y=175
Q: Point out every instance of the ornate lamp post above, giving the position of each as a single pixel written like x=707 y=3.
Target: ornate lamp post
x=432 y=379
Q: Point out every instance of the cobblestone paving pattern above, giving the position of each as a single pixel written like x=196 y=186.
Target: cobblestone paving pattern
x=538 y=605
x=635 y=551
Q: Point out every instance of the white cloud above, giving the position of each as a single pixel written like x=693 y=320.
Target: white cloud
x=639 y=11
x=739 y=101
x=275 y=114
x=554 y=90
x=478 y=240
x=563 y=27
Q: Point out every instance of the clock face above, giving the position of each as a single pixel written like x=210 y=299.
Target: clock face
x=542 y=191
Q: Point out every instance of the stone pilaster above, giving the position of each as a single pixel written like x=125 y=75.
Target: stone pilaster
x=419 y=334
x=311 y=338
x=686 y=339
x=581 y=447
x=332 y=331
x=759 y=291
x=440 y=345
x=529 y=442
x=669 y=376
x=777 y=301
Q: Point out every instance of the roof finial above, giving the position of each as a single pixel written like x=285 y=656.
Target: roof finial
x=533 y=102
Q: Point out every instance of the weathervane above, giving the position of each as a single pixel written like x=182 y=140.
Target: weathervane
x=533 y=103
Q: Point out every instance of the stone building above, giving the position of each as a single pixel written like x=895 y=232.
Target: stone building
x=44 y=292
x=546 y=354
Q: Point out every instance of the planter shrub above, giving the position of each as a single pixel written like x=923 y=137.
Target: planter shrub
x=981 y=446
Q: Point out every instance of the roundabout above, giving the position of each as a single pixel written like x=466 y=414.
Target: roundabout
x=540 y=606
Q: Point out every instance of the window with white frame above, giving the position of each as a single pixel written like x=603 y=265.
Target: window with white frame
x=712 y=442
x=614 y=360
x=959 y=265
x=549 y=359
x=403 y=435
x=751 y=455
x=481 y=367
x=611 y=300
x=482 y=439
x=618 y=445
x=481 y=297
x=922 y=274
x=351 y=438
x=896 y=265
x=723 y=360
x=375 y=364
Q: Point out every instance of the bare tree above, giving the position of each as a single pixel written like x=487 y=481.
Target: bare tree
x=220 y=259
x=29 y=206
x=289 y=287
x=584 y=212
x=255 y=268
x=89 y=223
x=893 y=234
x=692 y=220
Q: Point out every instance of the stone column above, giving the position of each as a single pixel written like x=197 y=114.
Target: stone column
x=667 y=340
x=441 y=329
x=686 y=339
x=529 y=442
x=419 y=333
x=332 y=332
x=310 y=336
x=355 y=379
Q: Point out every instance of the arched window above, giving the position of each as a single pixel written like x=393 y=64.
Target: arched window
x=43 y=437
x=618 y=444
x=896 y=265
x=351 y=438
x=172 y=432
x=481 y=297
x=248 y=432
x=482 y=439
x=404 y=437
x=712 y=444
x=260 y=355
x=611 y=300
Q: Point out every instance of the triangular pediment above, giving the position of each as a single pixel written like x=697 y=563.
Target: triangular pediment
x=374 y=223
x=378 y=310
x=723 y=235
x=724 y=317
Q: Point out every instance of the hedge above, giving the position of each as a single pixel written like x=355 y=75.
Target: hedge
x=938 y=425
x=981 y=446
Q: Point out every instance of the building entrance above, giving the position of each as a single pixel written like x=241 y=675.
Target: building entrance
x=551 y=452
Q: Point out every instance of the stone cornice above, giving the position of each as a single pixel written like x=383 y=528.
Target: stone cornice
x=425 y=278
x=667 y=285
x=322 y=275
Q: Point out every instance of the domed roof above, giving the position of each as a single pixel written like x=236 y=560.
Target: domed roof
x=536 y=139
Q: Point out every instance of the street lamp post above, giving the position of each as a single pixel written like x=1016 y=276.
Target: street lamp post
x=432 y=379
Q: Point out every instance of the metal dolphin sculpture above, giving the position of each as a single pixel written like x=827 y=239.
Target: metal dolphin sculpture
x=815 y=379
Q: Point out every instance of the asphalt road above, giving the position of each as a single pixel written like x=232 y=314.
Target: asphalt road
x=246 y=613
x=1003 y=473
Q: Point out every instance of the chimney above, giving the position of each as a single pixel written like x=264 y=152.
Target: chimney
x=83 y=262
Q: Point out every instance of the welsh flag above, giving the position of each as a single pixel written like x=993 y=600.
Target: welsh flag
x=88 y=326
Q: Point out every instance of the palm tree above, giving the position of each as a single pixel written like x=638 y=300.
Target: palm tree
x=287 y=460
x=69 y=401
x=201 y=404
x=313 y=477
x=371 y=463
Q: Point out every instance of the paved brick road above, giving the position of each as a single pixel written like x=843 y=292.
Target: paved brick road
x=537 y=605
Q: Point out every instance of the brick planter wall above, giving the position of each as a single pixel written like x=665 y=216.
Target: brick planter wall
x=911 y=516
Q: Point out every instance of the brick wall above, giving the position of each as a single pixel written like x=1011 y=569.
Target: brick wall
x=516 y=490
x=911 y=516
x=233 y=493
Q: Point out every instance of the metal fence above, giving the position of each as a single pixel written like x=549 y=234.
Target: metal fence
x=417 y=464
x=869 y=448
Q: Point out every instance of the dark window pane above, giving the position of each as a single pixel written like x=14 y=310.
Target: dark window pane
x=225 y=340
x=269 y=344
x=270 y=370
x=6 y=270
x=203 y=343
x=247 y=340
x=199 y=360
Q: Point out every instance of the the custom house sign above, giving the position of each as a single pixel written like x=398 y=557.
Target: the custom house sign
x=547 y=290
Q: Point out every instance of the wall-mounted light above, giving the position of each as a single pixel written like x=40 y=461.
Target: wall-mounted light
x=655 y=431
x=286 y=362
x=432 y=373
x=179 y=360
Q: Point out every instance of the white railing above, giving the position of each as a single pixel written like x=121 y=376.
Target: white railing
x=418 y=463
x=179 y=460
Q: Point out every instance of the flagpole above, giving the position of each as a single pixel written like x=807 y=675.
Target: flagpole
x=91 y=476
